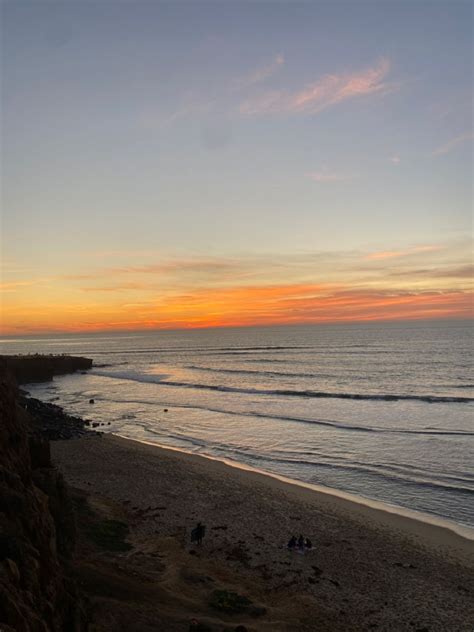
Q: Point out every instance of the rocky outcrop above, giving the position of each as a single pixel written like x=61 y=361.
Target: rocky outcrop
x=42 y=368
x=37 y=590
x=51 y=422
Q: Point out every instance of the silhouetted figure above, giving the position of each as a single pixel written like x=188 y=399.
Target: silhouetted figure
x=301 y=542
x=308 y=544
x=292 y=542
x=198 y=533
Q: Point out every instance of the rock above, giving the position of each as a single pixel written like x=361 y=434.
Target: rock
x=165 y=410
x=37 y=590
x=13 y=570
x=42 y=368
x=91 y=401
x=40 y=452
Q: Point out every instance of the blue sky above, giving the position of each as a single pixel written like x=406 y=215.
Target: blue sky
x=232 y=130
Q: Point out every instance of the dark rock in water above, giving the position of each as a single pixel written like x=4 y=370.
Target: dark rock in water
x=91 y=401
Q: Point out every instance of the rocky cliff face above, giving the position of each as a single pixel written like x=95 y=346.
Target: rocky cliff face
x=37 y=592
x=41 y=368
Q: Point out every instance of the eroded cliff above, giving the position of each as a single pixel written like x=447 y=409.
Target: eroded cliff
x=37 y=589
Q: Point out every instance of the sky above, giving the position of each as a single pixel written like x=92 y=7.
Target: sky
x=175 y=164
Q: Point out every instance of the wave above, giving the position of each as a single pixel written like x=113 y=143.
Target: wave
x=386 y=397
x=372 y=469
x=338 y=425
x=263 y=373
x=211 y=350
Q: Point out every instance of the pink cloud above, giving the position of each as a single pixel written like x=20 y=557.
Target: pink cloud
x=453 y=143
x=261 y=73
x=327 y=91
x=391 y=254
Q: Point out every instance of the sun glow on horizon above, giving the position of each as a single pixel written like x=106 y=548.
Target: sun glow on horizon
x=177 y=295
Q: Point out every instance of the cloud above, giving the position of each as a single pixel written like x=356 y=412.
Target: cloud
x=423 y=281
x=8 y=287
x=202 y=103
x=327 y=176
x=323 y=93
x=395 y=160
x=456 y=272
x=260 y=74
x=391 y=254
x=453 y=143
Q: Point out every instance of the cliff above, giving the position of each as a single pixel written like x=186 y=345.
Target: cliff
x=37 y=533
x=42 y=368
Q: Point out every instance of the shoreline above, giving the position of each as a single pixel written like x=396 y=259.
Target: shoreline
x=367 y=569
x=455 y=539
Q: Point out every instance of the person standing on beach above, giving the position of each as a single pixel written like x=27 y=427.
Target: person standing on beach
x=198 y=533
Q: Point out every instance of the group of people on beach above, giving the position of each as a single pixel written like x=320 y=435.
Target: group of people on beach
x=301 y=544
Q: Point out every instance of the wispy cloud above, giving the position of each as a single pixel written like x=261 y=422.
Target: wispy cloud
x=395 y=160
x=12 y=287
x=421 y=281
x=391 y=254
x=325 y=175
x=456 y=272
x=260 y=74
x=453 y=143
x=327 y=91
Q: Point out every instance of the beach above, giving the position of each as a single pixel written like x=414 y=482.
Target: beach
x=368 y=569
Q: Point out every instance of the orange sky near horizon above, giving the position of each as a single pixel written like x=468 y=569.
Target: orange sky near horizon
x=242 y=306
x=132 y=291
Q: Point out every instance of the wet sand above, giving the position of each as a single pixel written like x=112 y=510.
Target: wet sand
x=369 y=569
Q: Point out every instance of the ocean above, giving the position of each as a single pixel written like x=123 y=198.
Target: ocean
x=380 y=411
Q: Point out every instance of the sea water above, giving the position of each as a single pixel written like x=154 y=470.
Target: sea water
x=382 y=411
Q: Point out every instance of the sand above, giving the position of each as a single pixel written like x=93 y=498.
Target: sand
x=369 y=569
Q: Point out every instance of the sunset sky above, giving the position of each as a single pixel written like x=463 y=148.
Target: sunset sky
x=210 y=164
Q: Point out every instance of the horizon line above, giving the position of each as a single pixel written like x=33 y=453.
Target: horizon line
x=366 y=321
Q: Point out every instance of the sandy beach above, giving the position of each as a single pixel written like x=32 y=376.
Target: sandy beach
x=368 y=570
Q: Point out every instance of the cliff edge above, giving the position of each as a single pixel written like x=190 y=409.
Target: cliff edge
x=42 y=368
x=37 y=533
